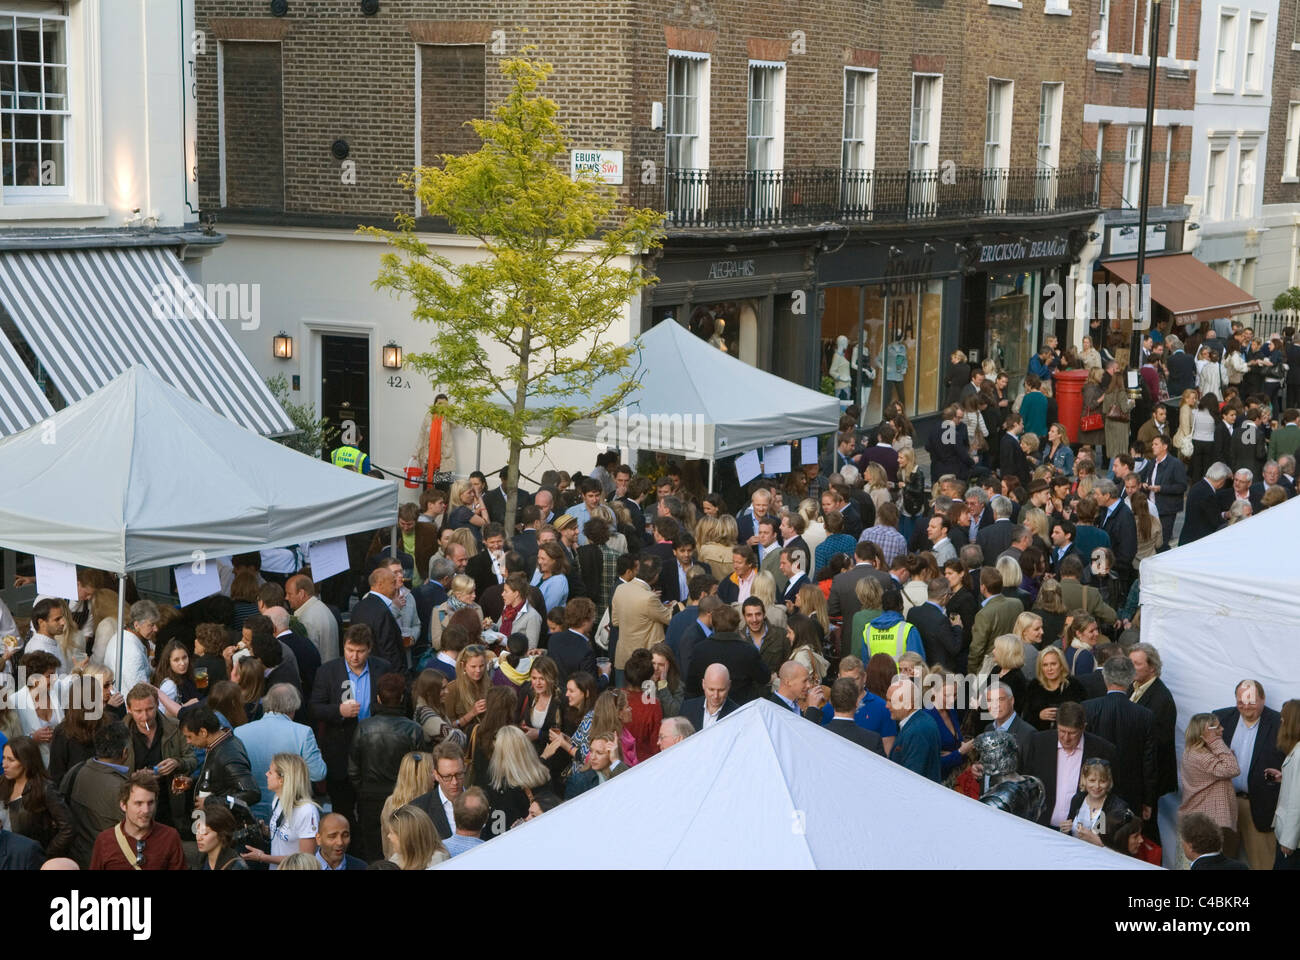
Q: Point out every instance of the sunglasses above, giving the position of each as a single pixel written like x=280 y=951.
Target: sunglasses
x=139 y=853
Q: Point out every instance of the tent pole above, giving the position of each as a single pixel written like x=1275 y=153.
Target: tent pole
x=710 y=489
x=121 y=626
x=392 y=543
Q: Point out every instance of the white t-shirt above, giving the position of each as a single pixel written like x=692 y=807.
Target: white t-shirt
x=285 y=833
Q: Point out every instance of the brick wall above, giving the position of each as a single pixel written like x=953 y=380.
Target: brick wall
x=1286 y=88
x=452 y=91
x=254 y=126
x=353 y=77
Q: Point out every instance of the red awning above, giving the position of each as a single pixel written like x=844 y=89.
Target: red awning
x=1187 y=288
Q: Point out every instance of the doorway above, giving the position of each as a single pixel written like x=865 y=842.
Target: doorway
x=345 y=389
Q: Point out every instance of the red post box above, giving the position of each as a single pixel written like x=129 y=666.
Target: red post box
x=1069 y=400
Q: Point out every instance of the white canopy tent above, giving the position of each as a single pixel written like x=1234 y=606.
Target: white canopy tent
x=1222 y=610
x=765 y=789
x=138 y=476
x=694 y=400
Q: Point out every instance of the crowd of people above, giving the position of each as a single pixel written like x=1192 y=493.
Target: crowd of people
x=461 y=679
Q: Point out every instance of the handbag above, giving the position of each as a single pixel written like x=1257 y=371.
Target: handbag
x=1091 y=421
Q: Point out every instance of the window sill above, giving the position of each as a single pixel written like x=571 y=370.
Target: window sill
x=1058 y=12
x=1291 y=179
x=53 y=211
x=1252 y=93
x=1011 y=4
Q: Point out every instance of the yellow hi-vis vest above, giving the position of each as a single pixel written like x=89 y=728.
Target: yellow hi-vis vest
x=347 y=457
x=892 y=641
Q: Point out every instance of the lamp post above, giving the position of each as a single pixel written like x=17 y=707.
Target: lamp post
x=1153 y=59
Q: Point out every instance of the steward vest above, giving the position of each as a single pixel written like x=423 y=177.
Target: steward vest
x=350 y=458
x=892 y=641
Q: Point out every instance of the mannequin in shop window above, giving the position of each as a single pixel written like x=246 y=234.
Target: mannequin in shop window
x=896 y=366
x=840 y=373
x=864 y=371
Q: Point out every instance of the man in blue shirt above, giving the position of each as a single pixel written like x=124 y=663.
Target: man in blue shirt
x=276 y=733
x=471 y=811
x=591 y=506
x=872 y=712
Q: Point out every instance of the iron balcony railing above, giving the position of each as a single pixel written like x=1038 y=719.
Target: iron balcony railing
x=737 y=199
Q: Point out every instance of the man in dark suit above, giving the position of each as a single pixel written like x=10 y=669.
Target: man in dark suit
x=941 y=638
x=1002 y=707
x=430 y=594
x=1118 y=522
x=949 y=446
x=525 y=541
x=842 y=454
x=1129 y=727
x=716 y=704
x=794 y=686
x=749 y=675
x=449 y=775
x=1166 y=477
x=18 y=852
x=346 y=691
x=994 y=539
x=495 y=500
x=1063 y=749
x=1181 y=367
x=844 y=701
x=1250 y=729
x=1150 y=691
x=333 y=837
x=665 y=548
x=622 y=478
x=1203 y=844
x=1203 y=516
x=488 y=566
x=375 y=610
x=917 y=745
x=1012 y=461
x=696 y=632
x=572 y=649
x=882 y=452
x=843 y=600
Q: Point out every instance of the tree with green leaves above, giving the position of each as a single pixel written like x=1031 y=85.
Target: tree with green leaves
x=520 y=332
x=1287 y=300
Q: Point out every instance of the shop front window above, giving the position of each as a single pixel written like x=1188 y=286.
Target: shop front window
x=1010 y=337
x=731 y=326
x=902 y=328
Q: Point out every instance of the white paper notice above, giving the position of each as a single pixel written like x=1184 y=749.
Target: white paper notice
x=747 y=467
x=807 y=451
x=54 y=578
x=776 y=460
x=193 y=586
x=328 y=557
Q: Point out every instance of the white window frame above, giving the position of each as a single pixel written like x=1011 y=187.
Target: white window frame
x=775 y=137
x=17 y=194
x=1243 y=203
x=1289 y=154
x=1103 y=26
x=1255 y=57
x=927 y=139
x=1146 y=32
x=699 y=142
x=1132 y=187
x=1051 y=97
x=1225 y=51
x=1215 y=187
x=997 y=142
x=1173 y=29
x=862 y=142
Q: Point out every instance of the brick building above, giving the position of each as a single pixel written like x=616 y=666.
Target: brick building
x=1279 y=248
x=901 y=171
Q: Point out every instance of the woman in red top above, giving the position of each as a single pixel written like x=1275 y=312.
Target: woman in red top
x=647 y=712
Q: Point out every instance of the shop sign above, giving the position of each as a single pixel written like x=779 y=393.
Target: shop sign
x=1125 y=239
x=729 y=269
x=1054 y=248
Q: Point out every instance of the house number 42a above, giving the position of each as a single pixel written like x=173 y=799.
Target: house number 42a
x=399 y=383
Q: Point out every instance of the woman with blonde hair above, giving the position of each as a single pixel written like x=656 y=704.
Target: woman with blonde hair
x=295 y=818
x=613 y=713
x=714 y=544
x=912 y=664
x=1182 y=438
x=1052 y=685
x=1029 y=628
x=414 y=841
x=1057 y=450
x=515 y=776
x=460 y=594
x=812 y=604
x=300 y=861
x=250 y=674
x=814 y=530
x=870 y=597
x=414 y=777
x=426 y=694
x=878 y=484
x=1036 y=520
x=465 y=537
x=466 y=509
x=465 y=698
x=1008 y=656
x=764 y=588
x=103 y=614
x=1208 y=768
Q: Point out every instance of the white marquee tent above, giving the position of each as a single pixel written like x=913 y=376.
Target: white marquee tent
x=765 y=789
x=700 y=402
x=138 y=476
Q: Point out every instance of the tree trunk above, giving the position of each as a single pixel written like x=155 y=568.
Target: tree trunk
x=512 y=463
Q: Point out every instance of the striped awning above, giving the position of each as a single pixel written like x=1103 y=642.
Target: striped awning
x=89 y=315
x=22 y=402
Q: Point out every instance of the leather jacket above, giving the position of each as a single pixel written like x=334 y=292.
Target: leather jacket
x=225 y=772
x=377 y=750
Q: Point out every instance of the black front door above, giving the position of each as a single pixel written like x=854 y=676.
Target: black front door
x=345 y=390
